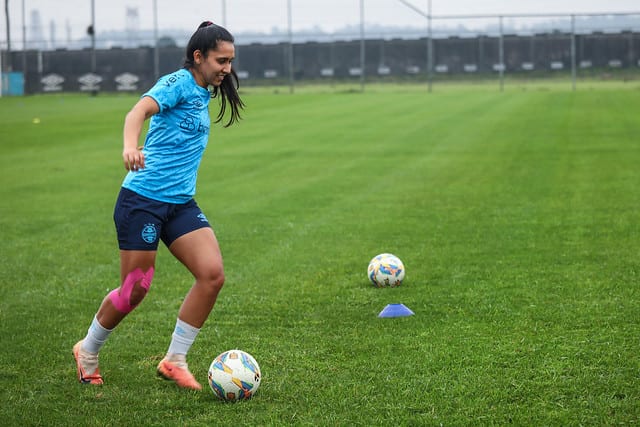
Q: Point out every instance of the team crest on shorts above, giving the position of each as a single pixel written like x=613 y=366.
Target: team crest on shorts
x=149 y=233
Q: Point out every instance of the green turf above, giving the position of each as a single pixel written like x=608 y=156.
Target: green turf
x=515 y=213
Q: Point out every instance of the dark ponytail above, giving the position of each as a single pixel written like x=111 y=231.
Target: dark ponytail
x=205 y=38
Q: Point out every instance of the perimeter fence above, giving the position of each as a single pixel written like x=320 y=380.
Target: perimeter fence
x=495 y=48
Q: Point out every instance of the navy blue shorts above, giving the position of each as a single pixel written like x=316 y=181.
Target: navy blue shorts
x=141 y=222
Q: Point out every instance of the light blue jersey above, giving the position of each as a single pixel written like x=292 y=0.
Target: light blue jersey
x=175 y=142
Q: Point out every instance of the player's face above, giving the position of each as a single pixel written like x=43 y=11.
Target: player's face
x=213 y=68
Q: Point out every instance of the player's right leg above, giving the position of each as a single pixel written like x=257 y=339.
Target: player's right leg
x=114 y=308
x=138 y=226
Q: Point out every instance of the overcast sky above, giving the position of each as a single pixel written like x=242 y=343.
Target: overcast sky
x=71 y=17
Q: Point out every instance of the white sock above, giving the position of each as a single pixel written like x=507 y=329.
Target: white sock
x=96 y=337
x=183 y=336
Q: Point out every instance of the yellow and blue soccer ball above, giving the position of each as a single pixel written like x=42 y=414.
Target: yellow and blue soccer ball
x=234 y=375
x=386 y=270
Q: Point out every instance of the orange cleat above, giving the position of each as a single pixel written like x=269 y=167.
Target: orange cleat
x=174 y=368
x=87 y=364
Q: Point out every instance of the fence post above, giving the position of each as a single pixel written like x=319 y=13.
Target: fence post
x=362 y=47
x=501 y=55
x=156 y=51
x=429 y=49
x=290 y=23
x=92 y=34
x=1 y=74
x=573 y=52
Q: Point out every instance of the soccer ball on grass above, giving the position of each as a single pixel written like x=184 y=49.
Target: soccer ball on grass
x=386 y=270
x=234 y=375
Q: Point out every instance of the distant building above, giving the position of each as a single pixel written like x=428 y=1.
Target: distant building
x=132 y=27
x=37 y=40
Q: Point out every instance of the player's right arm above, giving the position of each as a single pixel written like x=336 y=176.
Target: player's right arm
x=133 y=157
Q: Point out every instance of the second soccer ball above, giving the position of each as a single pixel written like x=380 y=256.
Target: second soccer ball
x=386 y=270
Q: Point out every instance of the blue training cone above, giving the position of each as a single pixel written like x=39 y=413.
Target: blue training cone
x=396 y=310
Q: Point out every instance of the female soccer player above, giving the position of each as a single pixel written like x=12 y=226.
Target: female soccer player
x=156 y=200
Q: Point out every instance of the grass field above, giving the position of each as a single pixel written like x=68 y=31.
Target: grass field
x=515 y=213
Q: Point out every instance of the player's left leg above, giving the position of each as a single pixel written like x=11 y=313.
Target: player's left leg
x=198 y=250
x=200 y=253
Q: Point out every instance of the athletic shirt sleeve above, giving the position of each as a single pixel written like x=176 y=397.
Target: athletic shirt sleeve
x=168 y=92
x=175 y=142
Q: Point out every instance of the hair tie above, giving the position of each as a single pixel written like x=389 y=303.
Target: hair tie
x=205 y=24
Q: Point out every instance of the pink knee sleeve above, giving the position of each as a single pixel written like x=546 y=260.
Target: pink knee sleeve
x=121 y=297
